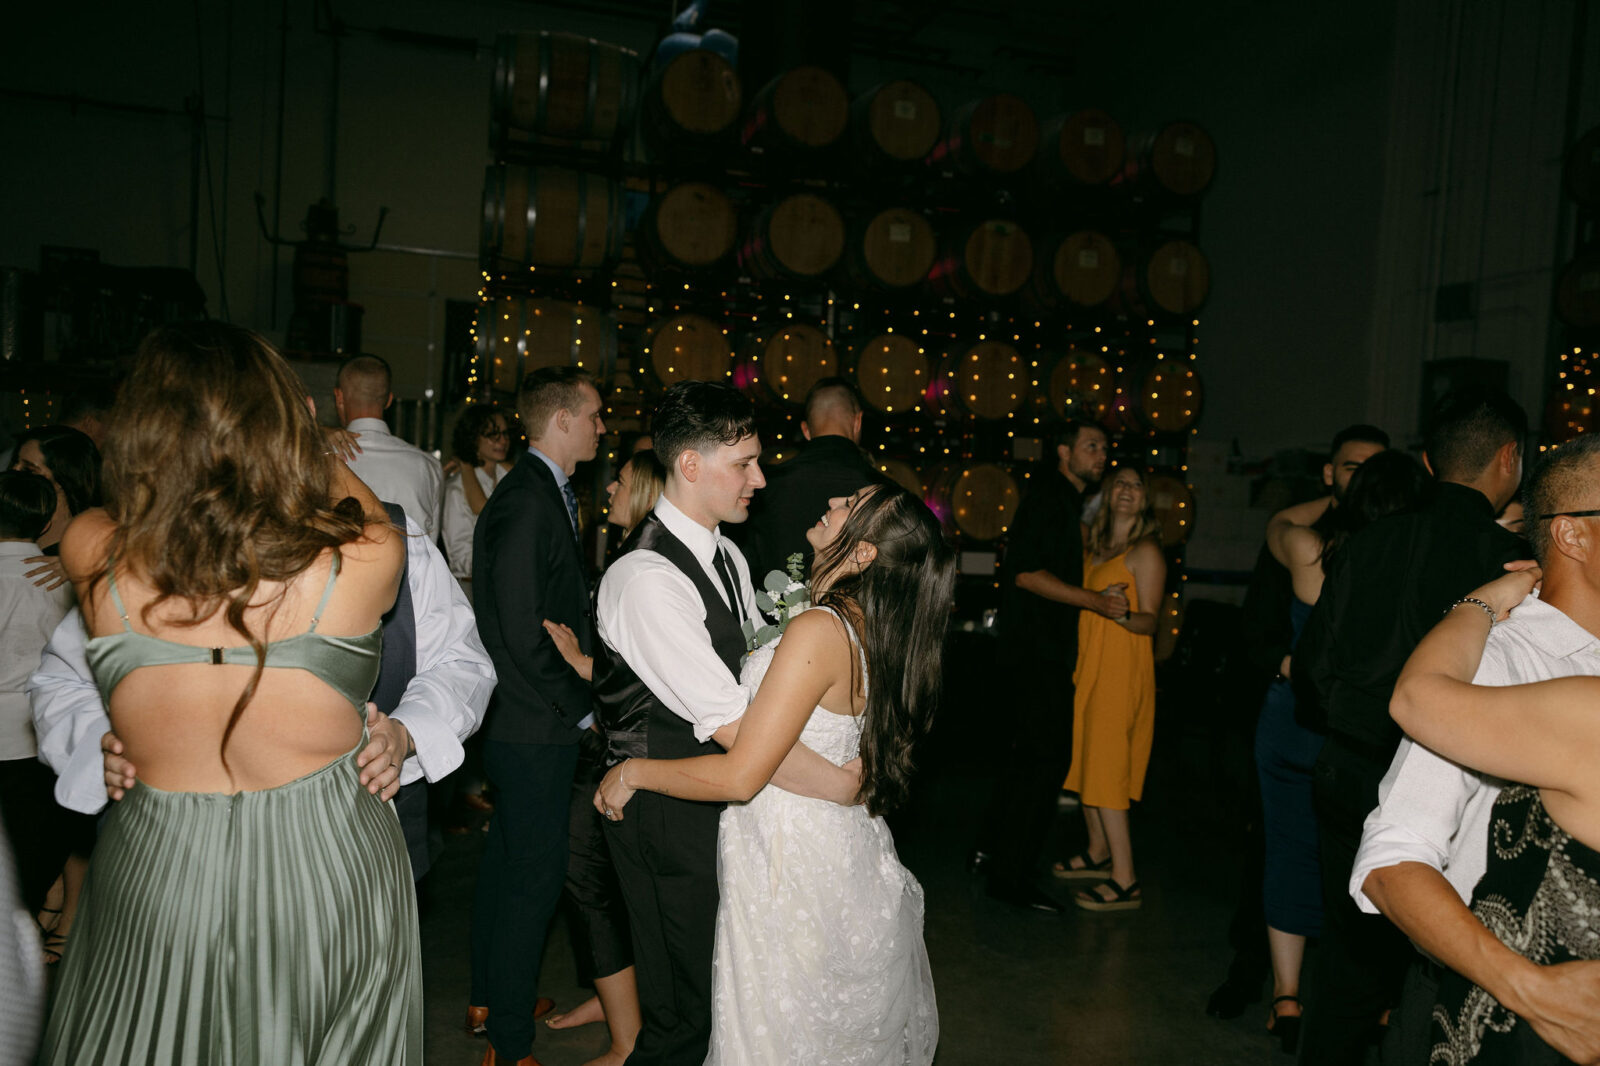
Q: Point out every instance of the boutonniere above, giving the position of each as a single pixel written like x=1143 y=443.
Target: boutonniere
x=784 y=594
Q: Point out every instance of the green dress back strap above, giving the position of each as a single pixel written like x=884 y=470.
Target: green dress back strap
x=349 y=665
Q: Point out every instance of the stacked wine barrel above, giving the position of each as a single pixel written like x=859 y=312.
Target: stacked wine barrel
x=966 y=267
x=1571 y=408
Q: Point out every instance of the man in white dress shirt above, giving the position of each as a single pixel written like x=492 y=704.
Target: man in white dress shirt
x=393 y=470
x=666 y=685
x=1425 y=846
x=441 y=706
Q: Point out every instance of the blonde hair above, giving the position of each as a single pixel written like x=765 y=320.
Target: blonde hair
x=649 y=481
x=1145 y=523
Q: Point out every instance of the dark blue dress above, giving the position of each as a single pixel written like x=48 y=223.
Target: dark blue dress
x=1291 y=887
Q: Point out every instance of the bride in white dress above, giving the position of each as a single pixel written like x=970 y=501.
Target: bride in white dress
x=819 y=952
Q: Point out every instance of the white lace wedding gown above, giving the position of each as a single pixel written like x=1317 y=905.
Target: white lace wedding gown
x=819 y=956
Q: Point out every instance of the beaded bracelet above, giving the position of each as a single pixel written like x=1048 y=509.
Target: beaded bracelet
x=1474 y=601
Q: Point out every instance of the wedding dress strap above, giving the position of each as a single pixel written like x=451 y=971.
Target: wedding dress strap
x=861 y=651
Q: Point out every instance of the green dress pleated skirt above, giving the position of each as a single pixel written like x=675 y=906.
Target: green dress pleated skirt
x=276 y=928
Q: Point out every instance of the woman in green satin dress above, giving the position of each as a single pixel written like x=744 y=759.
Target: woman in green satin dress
x=249 y=901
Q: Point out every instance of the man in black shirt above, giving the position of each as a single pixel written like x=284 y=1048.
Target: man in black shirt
x=1042 y=589
x=831 y=464
x=1382 y=594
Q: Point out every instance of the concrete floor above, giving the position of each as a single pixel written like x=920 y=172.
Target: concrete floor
x=1014 y=987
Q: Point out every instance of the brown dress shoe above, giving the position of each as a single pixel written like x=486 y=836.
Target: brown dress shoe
x=477 y=1023
x=489 y=1059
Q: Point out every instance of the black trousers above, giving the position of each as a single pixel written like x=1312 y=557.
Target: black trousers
x=599 y=917
x=1362 y=957
x=1409 y=1039
x=1023 y=806
x=665 y=852
x=43 y=833
x=411 y=805
x=520 y=876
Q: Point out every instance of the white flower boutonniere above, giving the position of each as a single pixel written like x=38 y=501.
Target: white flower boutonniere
x=783 y=595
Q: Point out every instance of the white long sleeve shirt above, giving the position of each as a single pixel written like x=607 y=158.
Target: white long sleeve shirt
x=1433 y=811
x=650 y=613
x=399 y=472
x=28 y=613
x=442 y=706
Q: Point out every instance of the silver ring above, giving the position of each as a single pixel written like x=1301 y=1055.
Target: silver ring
x=611 y=814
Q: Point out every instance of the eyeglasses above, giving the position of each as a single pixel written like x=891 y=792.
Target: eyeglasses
x=1569 y=514
x=505 y=434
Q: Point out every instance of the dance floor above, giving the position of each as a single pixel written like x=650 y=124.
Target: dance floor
x=1015 y=988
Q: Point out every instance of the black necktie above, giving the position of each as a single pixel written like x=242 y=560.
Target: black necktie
x=730 y=583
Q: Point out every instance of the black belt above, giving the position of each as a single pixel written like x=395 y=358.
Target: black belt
x=1433 y=971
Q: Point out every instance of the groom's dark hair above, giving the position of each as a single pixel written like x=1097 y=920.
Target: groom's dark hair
x=698 y=416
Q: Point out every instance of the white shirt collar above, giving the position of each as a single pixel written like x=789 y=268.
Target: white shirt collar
x=702 y=542
x=22 y=549
x=369 y=425
x=555 y=467
x=1557 y=635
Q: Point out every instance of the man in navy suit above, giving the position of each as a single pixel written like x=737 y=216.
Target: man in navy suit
x=528 y=566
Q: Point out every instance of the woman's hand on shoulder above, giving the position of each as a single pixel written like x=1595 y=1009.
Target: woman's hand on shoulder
x=1510 y=589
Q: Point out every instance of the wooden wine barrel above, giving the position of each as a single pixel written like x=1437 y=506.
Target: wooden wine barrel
x=1081 y=269
x=1578 y=292
x=1173 y=504
x=800 y=237
x=976 y=501
x=894 y=125
x=545 y=217
x=1580 y=176
x=901 y=473
x=987 y=380
x=625 y=404
x=562 y=88
x=801 y=110
x=1179 y=160
x=691 y=103
x=690 y=227
x=1081 y=386
x=782 y=366
x=893 y=249
x=516 y=335
x=891 y=373
x=993 y=136
x=688 y=347
x=991 y=259
x=1171 y=396
x=1084 y=147
x=1172 y=280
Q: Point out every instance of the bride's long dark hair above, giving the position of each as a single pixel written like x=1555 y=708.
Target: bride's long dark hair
x=899 y=605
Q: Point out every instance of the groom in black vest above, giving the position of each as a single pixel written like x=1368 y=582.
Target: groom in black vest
x=671 y=616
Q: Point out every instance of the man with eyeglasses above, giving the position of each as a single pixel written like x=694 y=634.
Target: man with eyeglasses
x=1382 y=594
x=1426 y=844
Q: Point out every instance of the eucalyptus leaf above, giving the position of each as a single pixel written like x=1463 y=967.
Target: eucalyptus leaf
x=767 y=634
x=776 y=582
x=766 y=602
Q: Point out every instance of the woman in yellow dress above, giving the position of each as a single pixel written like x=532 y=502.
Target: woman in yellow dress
x=1114 y=712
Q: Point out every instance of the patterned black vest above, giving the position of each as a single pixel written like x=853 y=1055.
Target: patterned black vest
x=637 y=724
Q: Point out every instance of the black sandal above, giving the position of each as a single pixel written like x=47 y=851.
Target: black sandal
x=1089 y=871
x=1286 y=1027
x=1122 y=897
